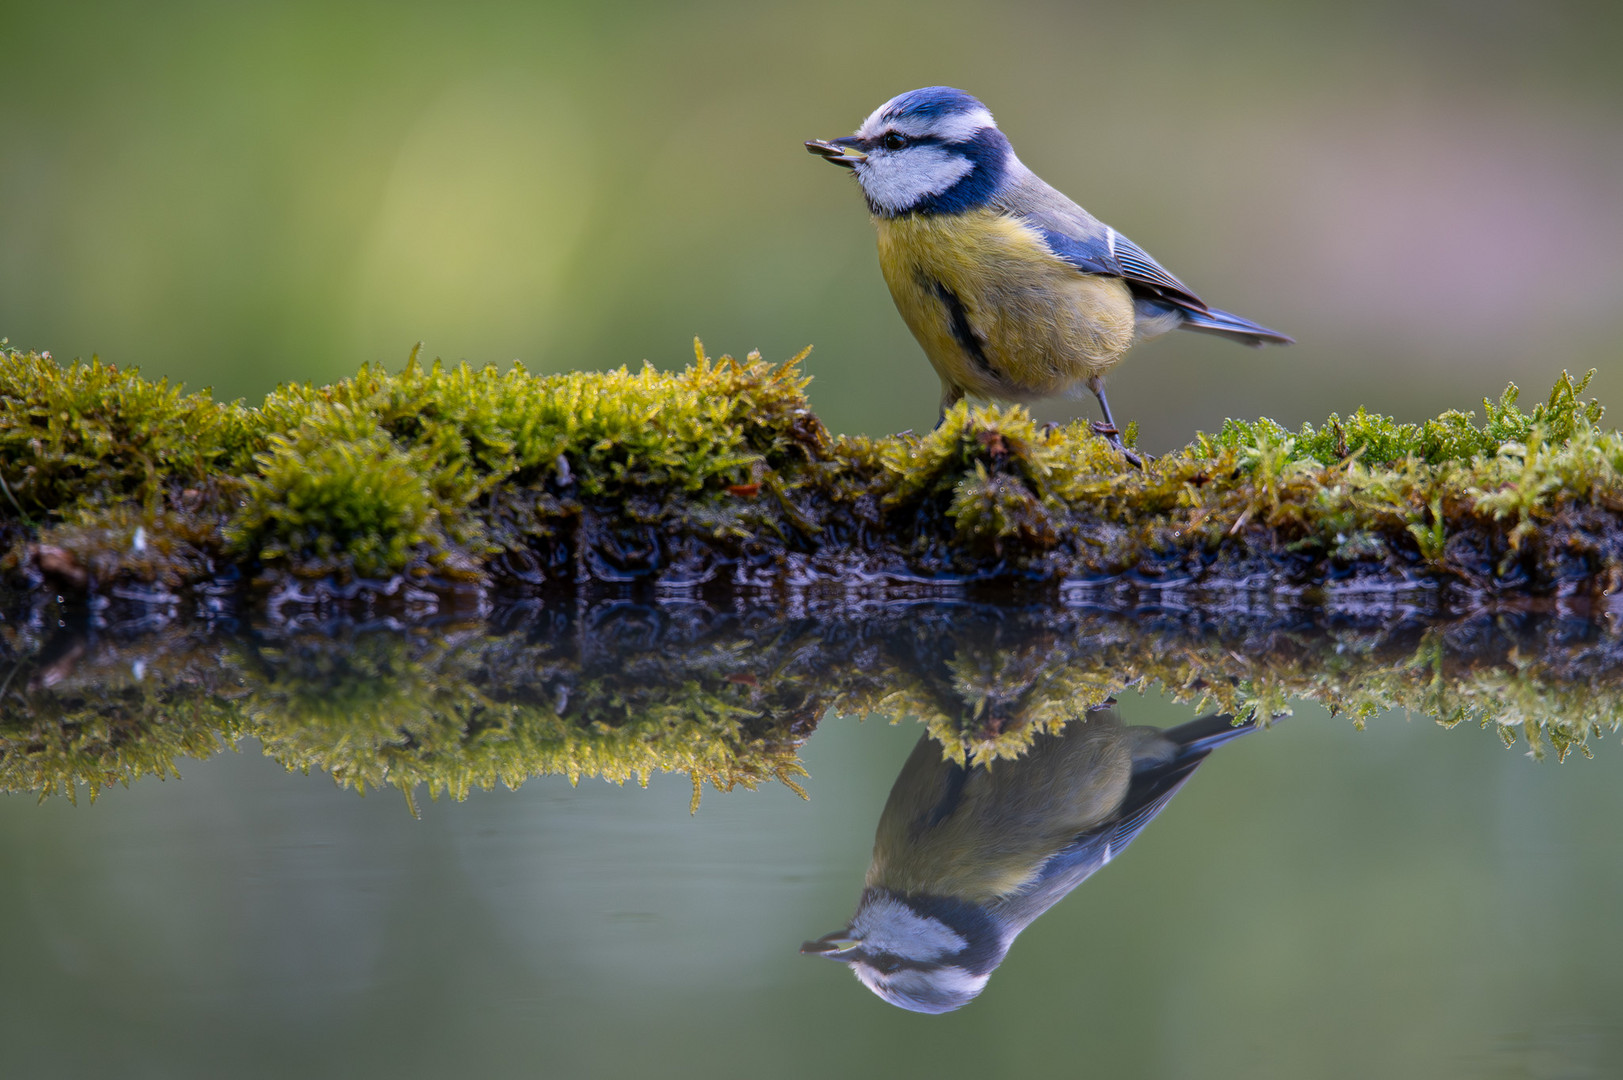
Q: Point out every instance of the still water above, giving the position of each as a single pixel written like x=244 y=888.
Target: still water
x=1322 y=898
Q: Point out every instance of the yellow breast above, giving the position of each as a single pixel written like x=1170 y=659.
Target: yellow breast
x=998 y=314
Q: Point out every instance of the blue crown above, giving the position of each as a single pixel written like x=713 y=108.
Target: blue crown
x=931 y=103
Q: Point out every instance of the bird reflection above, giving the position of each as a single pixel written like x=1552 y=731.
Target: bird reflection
x=965 y=858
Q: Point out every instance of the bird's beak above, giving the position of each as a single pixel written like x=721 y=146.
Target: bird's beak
x=832 y=945
x=843 y=152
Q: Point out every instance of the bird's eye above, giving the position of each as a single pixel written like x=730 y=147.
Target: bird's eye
x=893 y=141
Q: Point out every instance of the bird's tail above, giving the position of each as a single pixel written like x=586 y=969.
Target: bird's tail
x=1201 y=737
x=1223 y=324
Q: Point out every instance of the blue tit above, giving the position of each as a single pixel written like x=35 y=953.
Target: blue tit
x=965 y=858
x=1013 y=290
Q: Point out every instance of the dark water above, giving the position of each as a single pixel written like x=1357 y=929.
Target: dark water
x=1319 y=900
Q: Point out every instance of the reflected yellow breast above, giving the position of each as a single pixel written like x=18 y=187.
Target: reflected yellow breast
x=997 y=313
x=1007 y=820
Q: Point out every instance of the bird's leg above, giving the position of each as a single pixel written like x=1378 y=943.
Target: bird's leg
x=1108 y=429
x=950 y=396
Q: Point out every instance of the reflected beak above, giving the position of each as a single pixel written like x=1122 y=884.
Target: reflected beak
x=843 y=152
x=833 y=946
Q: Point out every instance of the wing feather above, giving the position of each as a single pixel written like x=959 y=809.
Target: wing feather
x=1092 y=247
x=1118 y=256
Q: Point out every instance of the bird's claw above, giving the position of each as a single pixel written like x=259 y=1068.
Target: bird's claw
x=1111 y=434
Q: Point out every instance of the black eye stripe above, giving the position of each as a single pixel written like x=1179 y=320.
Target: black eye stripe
x=890 y=963
x=881 y=142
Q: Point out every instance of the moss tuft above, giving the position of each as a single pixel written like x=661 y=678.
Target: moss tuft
x=339 y=496
x=92 y=434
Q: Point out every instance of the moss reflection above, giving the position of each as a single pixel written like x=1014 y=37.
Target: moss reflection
x=623 y=690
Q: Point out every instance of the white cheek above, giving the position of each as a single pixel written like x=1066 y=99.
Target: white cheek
x=953 y=987
x=897 y=180
x=887 y=925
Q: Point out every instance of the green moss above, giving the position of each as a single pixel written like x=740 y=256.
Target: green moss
x=381 y=473
x=456 y=476
x=338 y=495
x=91 y=434
x=1451 y=437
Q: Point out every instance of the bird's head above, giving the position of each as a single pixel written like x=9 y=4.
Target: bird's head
x=926 y=954
x=935 y=150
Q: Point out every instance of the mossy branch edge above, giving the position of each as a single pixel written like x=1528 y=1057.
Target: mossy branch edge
x=438 y=480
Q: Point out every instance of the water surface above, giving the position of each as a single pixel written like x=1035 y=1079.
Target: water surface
x=1321 y=899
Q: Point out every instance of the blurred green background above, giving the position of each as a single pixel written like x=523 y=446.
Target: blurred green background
x=234 y=194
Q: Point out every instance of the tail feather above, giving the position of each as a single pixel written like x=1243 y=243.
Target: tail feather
x=1200 y=737
x=1224 y=324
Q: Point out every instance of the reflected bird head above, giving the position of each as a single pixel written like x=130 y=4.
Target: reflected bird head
x=928 y=954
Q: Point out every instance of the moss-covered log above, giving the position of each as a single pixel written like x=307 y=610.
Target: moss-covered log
x=623 y=690
x=404 y=490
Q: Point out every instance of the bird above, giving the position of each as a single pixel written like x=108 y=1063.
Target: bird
x=1014 y=291
x=966 y=858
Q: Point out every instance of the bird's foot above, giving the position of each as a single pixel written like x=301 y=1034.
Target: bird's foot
x=1112 y=435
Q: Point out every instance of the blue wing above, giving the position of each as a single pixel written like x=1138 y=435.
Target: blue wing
x=1148 y=793
x=1116 y=255
x=1153 y=285
x=1152 y=788
x=1086 y=854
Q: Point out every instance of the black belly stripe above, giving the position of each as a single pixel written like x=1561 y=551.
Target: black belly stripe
x=951 y=796
x=962 y=332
